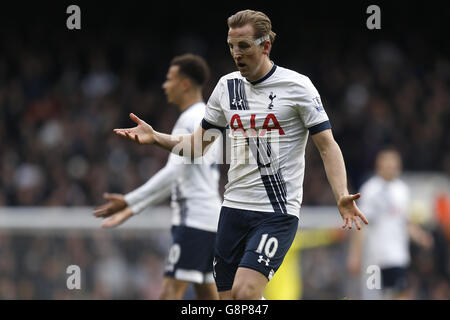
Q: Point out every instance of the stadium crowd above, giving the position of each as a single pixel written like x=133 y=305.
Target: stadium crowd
x=60 y=100
x=130 y=266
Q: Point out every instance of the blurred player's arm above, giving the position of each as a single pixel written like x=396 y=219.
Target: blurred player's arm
x=420 y=236
x=120 y=208
x=337 y=177
x=187 y=145
x=354 y=258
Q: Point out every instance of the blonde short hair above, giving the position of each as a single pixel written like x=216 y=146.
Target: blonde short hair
x=260 y=22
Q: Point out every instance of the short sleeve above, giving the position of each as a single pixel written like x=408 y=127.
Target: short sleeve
x=309 y=107
x=214 y=116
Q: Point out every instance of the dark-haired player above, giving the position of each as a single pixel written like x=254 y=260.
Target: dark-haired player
x=194 y=188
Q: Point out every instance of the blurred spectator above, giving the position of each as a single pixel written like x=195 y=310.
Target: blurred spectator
x=56 y=118
x=36 y=268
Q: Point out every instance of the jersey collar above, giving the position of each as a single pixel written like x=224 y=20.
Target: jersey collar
x=268 y=74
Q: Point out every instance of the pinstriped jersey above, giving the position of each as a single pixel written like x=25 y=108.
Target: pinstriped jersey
x=269 y=122
x=195 y=195
x=194 y=186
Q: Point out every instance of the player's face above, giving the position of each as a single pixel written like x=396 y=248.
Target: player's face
x=173 y=86
x=248 y=56
x=389 y=165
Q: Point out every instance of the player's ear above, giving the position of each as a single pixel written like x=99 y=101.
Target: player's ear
x=186 y=83
x=266 y=47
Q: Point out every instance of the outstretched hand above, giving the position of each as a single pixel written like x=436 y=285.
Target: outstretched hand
x=116 y=210
x=118 y=218
x=143 y=133
x=116 y=202
x=350 y=212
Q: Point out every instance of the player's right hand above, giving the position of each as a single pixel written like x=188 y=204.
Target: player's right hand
x=118 y=218
x=143 y=133
x=116 y=202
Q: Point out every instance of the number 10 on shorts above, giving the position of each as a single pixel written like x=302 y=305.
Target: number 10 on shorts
x=270 y=246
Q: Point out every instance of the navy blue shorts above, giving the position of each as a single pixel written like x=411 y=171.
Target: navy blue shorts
x=191 y=255
x=394 y=278
x=251 y=239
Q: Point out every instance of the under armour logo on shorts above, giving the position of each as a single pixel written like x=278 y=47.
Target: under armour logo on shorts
x=214 y=267
x=265 y=260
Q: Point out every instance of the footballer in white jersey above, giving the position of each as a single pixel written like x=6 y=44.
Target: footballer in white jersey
x=270 y=120
x=194 y=188
x=269 y=123
x=270 y=112
x=195 y=203
x=384 y=245
x=387 y=237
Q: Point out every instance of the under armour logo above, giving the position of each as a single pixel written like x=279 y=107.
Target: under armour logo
x=271 y=97
x=214 y=267
x=237 y=102
x=265 y=260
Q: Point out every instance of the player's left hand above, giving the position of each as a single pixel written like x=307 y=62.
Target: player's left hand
x=350 y=212
x=118 y=218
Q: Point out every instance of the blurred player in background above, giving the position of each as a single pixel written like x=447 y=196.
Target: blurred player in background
x=270 y=110
x=386 y=203
x=194 y=188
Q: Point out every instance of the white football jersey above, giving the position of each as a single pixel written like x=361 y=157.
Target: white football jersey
x=386 y=205
x=194 y=187
x=269 y=122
